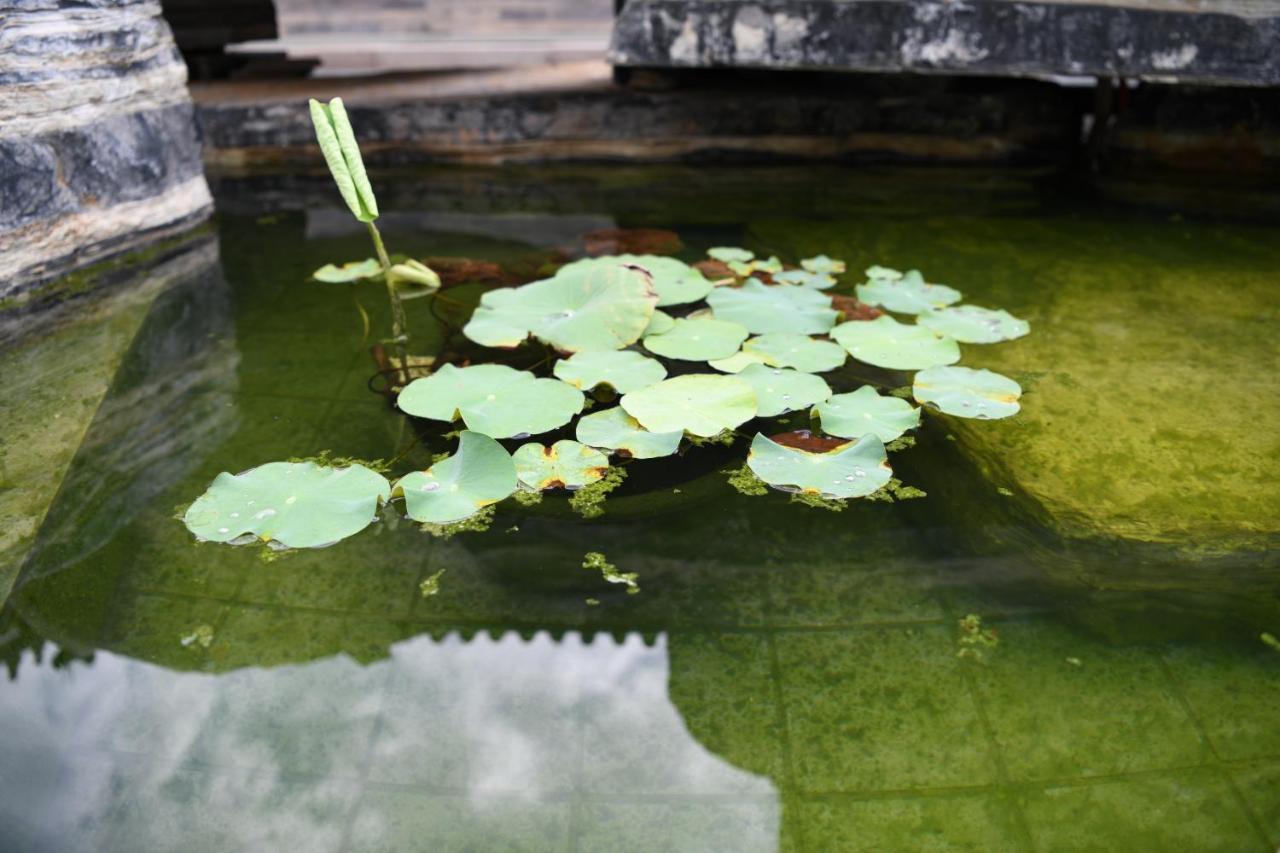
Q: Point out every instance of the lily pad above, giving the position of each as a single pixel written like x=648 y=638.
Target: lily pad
x=348 y=273
x=781 y=308
x=967 y=393
x=730 y=254
x=885 y=342
x=853 y=470
x=698 y=340
x=970 y=324
x=877 y=272
x=805 y=278
x=823 y=264
x=479 y=474
x=910 y=294
x=298 y=504
x=625 y=370
x=737 y=362
x=785 y=349
x=865 y=412
x=564 y=465
x=659 y=324
x=780 y=389
x=492 y=399
x=614 y=429
x=676 y=282
x=701 y=404
x=745 y=268
x=590 y=308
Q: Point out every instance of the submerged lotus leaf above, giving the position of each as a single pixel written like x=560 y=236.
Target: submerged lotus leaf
x=564 y=465
x=479 y=474
x=298 y=504
x=967 y=393
x=780 y=389
x=624 y=370
x=885 y=342
x=614 y=429
x=493 y=399
x=730 y=254
x=865 y=412
x=659 y=324
x=785 y=349
x=853 y=470
x=698 y=340
x=910 y=294
x=702 y=404
x=676 y=282
x=348 y=272
x=970 y=324
x=593 y=307
x=781 y=308
x=823 y=264
x=805 y=278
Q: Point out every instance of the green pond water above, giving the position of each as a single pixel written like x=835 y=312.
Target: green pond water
x=787 y=678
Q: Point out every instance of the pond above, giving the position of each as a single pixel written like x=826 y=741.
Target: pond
x=1060 y=647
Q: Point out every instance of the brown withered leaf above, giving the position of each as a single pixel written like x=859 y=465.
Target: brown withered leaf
x=714 y=270
x=804 y=439
x=631 y=241
x=852 y=309
x=454 y=271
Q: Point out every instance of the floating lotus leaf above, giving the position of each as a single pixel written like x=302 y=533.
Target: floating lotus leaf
x=625 y=370
x=781 y=308
x=676 y=282
x=659 y=324
x=745 y=268
x=885 y=342
x=866 y=412
x=970 y=324
x=779 y=389
x=564 y=465
x=614 y=429
x=823 y=264
x=853 y=470
x=877 y=272
x=479 y=474
x=731 y=254
x=804 y=278
x=593 y=307
x=907 y=295
x=298 y=504
x=785 y=349
x=492 y=399
x=348 y=272
x=737 y=362
x=698 y=340
x=702 y=404
x=967 y=393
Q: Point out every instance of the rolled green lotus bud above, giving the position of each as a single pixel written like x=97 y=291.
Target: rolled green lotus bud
x=417 y=273
x=338 y=144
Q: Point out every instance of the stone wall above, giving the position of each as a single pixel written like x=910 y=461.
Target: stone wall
x=98 y=147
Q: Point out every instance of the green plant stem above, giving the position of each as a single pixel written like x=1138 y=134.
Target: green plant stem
x=399 y=326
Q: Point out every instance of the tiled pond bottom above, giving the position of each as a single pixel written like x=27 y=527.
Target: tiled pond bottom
x=787 y=678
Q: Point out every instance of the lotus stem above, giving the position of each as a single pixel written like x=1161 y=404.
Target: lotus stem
x=399 y=326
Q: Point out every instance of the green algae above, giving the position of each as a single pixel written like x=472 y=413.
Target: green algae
x=816 y=501
x=589 y=501
x=745 y=481
x=478 y=522
x=431 y=584
x=527 y=497
x=595 y=561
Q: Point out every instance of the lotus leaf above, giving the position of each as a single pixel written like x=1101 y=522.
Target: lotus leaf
x=804 y=278
x=910 y=294
x=676 y=282
x=348 y=273
x=614 y=429
x=781 y=308
x=779 y=389
x=970 y=324
x=731 y=254
x=564 y=465
x=865 y=412
x=737 y=362
x=586 y=309
x=745 y=268
x=416 y=272
x=701 y=404
x=342 y=155
x=298 y=504
x=492 y=399
x=625 y=370
x=698 y=340
x=823 y=264
x=659 y=324
x=479 y=474
x=885 y=342
x=853 y=470
x=967 y=393
x=877 y=272
x=785 y=349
